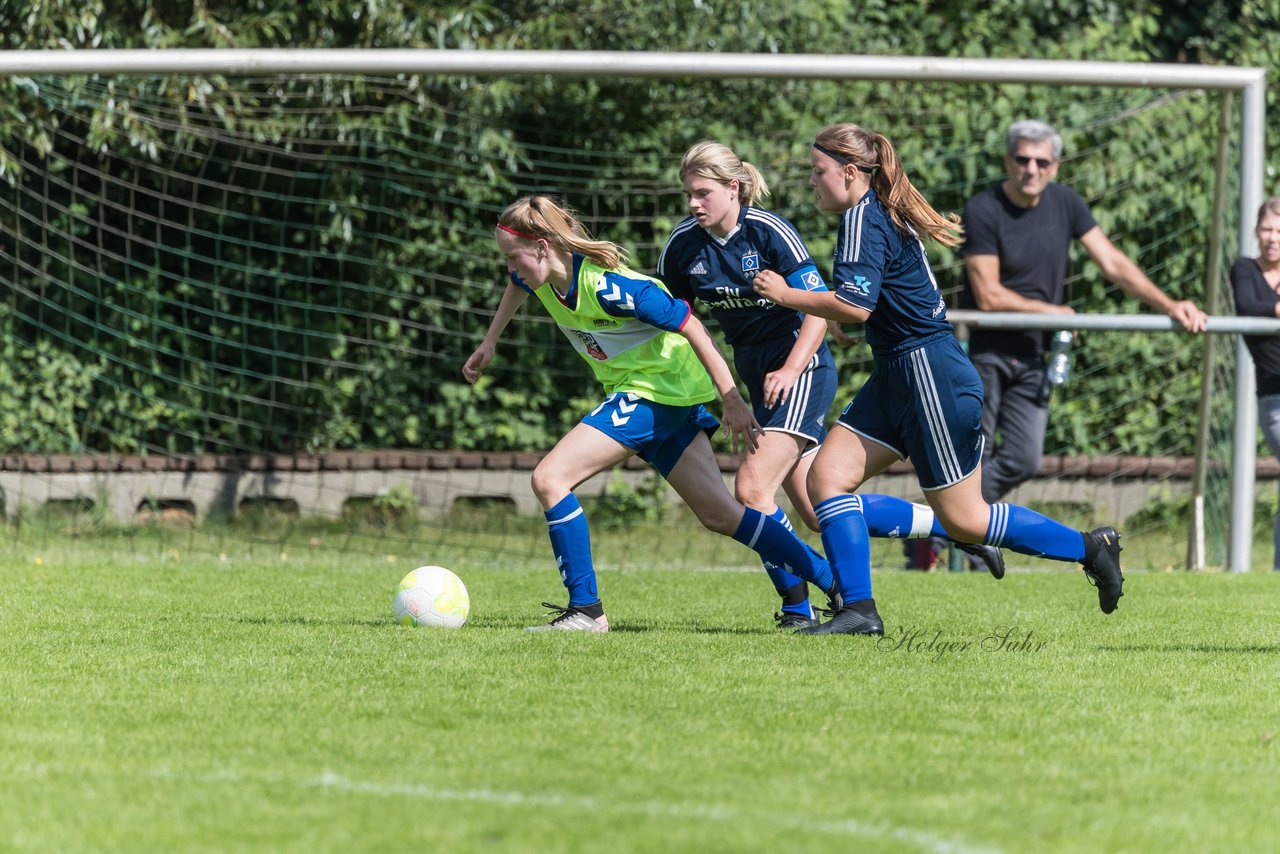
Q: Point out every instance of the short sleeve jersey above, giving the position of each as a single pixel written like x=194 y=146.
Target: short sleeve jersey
x=883 y=269
x=624 y=325
x=697 y=265
x=1255 y=298
x=1033 y=245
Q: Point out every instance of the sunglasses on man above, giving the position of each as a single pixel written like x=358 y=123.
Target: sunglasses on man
x=1023 y=160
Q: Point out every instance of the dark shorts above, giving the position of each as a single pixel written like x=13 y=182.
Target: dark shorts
x=805 y=412
x=657 y=432
x=924 y=405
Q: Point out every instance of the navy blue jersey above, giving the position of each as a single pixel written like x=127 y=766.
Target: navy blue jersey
x=695 y=264
x=885 y=271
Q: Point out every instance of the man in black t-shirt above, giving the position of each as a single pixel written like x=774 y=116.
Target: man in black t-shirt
x=1017 y=242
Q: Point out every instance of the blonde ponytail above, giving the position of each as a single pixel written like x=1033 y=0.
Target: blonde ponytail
x=874 y=154
x=717 y=162
x=541 y=217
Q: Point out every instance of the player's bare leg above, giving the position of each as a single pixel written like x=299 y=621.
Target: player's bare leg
x=583 y=452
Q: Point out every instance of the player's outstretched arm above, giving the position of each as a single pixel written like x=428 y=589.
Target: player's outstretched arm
x=739 y=422
x=824 y=304
x=512 y=298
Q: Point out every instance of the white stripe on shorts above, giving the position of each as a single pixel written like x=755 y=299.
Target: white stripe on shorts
x=798 y=402
x=937 y=421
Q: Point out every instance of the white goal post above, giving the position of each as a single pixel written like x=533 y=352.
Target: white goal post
x=1249 y=82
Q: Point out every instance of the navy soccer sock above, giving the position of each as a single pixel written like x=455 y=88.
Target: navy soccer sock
x=571 y=543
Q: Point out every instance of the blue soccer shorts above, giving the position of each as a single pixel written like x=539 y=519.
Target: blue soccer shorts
x=924 y=405
x=657 y=432
x=804 y=413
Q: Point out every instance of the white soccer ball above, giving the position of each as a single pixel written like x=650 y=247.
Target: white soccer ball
x=431 y=596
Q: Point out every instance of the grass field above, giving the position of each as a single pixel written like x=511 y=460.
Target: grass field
x=159 y=699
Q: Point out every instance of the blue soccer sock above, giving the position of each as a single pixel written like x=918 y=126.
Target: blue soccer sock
x=571 y=543
x=1027 y=532
x=844 y=536
x=782 y=517
x=895 y=517
x=793 y=589
x=803 y=607
x=776 y=545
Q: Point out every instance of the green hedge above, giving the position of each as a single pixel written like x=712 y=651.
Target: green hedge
x=157 y=380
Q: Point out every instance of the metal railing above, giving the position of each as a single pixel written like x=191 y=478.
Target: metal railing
x=1245 y=423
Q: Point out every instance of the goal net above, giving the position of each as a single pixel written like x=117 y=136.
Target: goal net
x=250 y=298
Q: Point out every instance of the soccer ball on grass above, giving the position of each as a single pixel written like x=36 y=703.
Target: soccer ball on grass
x=431 y=596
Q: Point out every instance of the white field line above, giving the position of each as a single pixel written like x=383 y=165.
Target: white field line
x=657 y=809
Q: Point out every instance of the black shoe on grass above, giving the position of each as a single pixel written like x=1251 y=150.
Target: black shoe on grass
x=1102 y=566
x=986 y=557
x=788 y=620
x=849 y=620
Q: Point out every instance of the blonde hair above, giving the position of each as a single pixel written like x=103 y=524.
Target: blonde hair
x=718 y=162
x=1270 y=206
x=546 y=218
x=874 y=154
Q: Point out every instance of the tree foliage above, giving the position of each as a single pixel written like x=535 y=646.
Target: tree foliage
x=396 y=398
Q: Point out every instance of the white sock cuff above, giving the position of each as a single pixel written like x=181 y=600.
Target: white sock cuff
x=921 y=521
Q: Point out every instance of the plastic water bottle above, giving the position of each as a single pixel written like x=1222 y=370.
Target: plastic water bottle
x=1060 y=358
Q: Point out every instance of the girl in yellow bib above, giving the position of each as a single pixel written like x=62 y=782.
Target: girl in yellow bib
x=659 y=368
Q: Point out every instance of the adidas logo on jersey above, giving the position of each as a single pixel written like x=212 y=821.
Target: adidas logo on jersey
x=699 y=269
